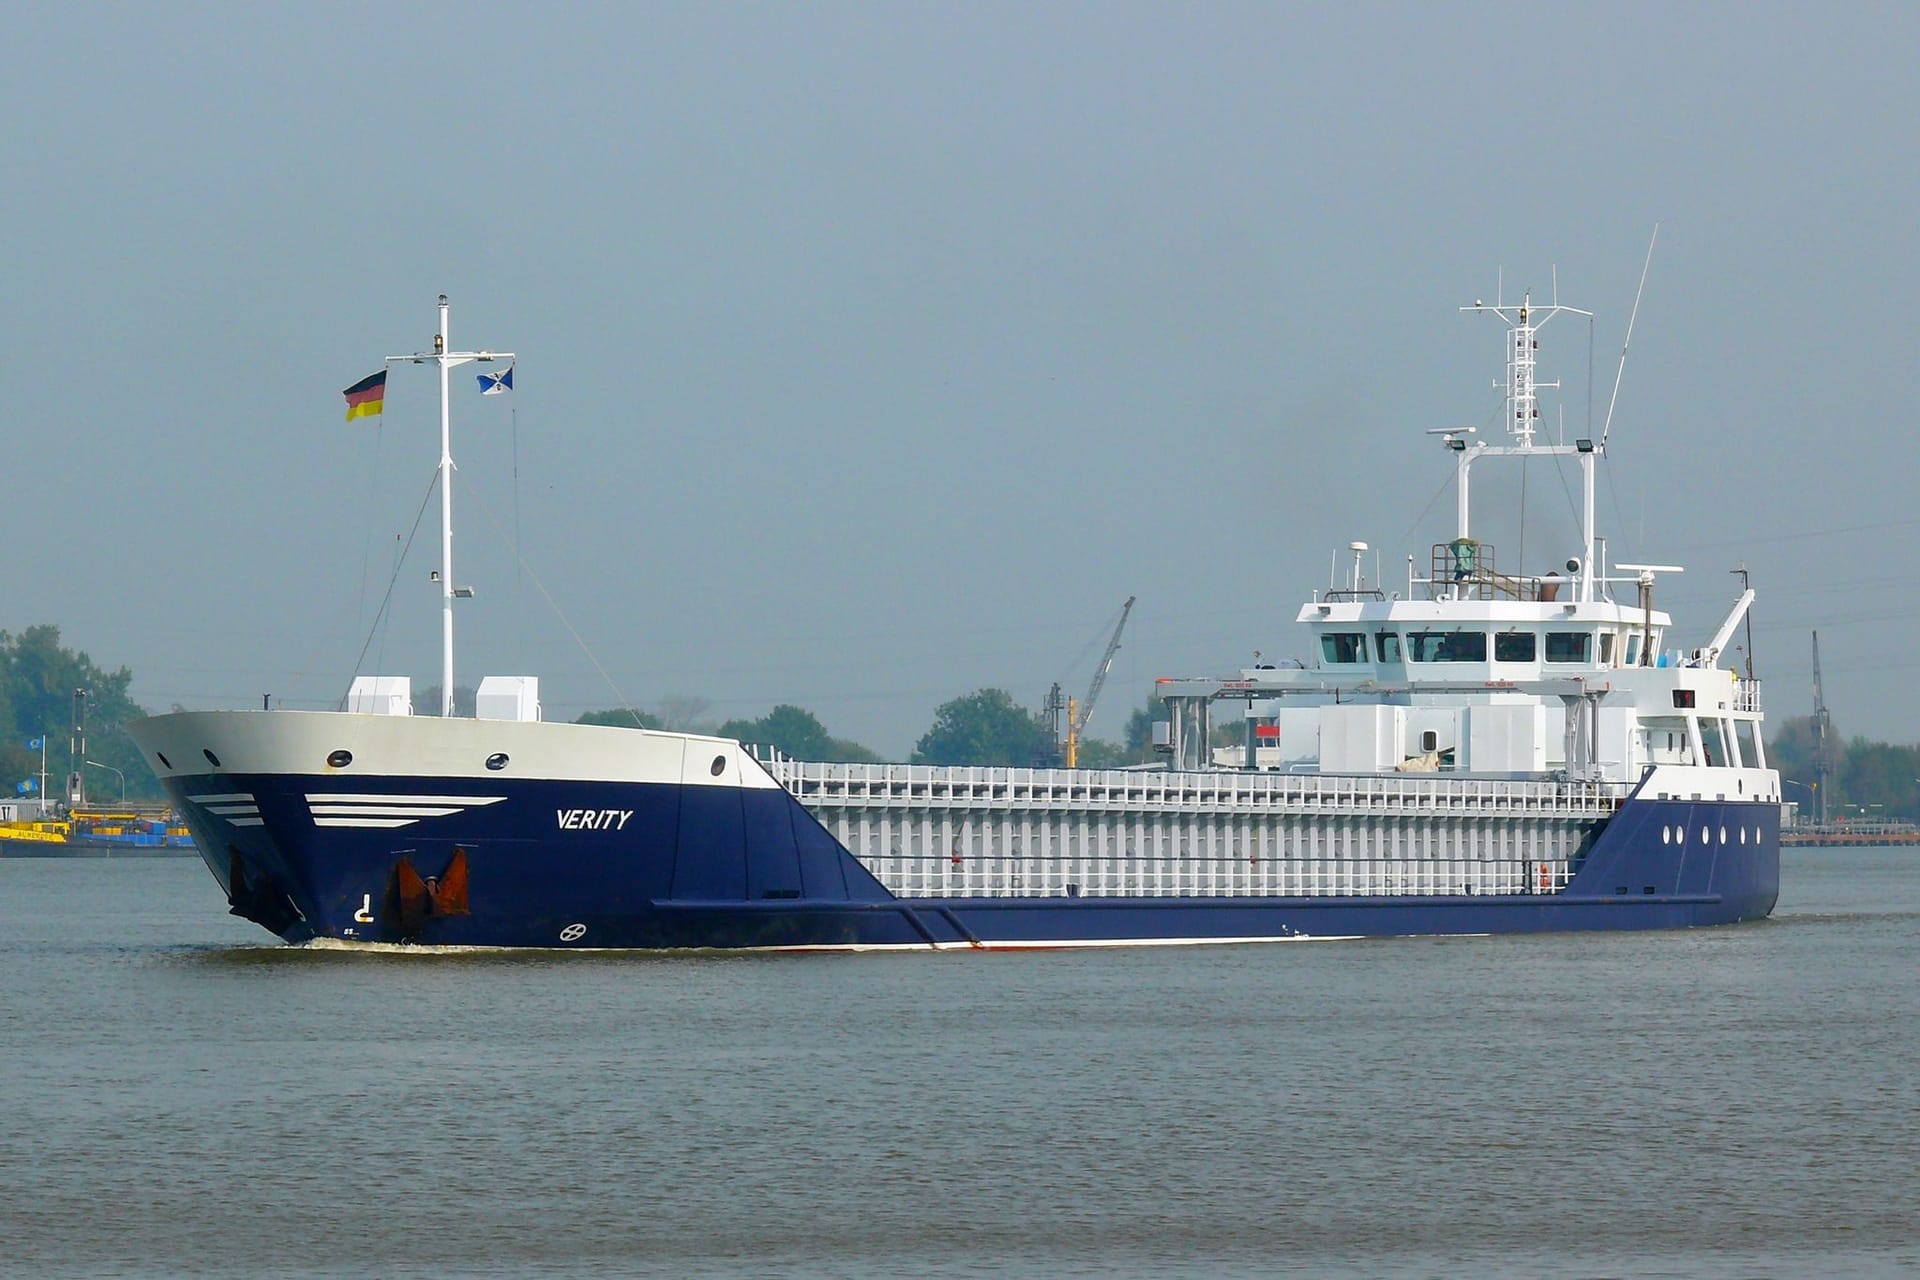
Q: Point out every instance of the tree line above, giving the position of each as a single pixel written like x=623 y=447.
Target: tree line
x=38 y=677
x=985 y=727
x=988 y=727
x=1877 y=780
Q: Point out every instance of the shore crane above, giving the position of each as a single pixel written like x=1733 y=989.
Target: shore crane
x=1078 y=712
x=1823 y=743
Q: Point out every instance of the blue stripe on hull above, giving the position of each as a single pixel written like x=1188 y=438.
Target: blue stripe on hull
x=734 y=867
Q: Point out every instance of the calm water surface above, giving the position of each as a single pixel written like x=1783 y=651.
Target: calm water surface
x=181 y=1095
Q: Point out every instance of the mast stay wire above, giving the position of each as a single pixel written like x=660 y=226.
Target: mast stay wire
x=398 y=561
x=472 y=490
x=373 y=496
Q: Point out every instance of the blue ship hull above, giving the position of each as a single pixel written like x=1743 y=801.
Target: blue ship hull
x=725 y=867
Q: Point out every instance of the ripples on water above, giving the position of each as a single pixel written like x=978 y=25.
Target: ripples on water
x=183 y=1097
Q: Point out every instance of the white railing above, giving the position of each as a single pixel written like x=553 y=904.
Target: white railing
x=1217 y=791
x=929 y=831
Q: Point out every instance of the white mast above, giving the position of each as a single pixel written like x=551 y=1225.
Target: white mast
x=447 y=359
x=1523 y=410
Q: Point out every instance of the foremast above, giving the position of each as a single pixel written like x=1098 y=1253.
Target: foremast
x=447 y=359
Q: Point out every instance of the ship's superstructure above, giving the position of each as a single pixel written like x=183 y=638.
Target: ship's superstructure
x=1484 y=751
x=1470 y=735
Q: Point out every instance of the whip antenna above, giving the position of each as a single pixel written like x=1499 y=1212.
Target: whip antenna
x=1607 y=426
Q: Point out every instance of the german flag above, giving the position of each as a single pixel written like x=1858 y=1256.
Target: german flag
x=367 y=396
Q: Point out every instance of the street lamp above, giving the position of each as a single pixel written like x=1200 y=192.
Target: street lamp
x=116 y=773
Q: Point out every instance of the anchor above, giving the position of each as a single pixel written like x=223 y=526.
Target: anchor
x=413 y=899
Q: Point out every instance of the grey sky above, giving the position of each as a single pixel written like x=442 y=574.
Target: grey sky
x=872 y=354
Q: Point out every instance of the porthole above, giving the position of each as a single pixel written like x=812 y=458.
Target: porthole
x=719 y=766
x=339 y=759
x=1680 y=834
x=1723 y=835
x=164 y=762
x=1743 y=835
x=497 y=761
x=1706 y=836
x=1666 y=835
x=212 y=759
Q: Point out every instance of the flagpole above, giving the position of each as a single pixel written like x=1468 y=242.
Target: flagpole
x=447 y=358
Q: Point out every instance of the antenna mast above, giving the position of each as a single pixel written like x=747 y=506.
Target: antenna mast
x=447 y=359
x=1524 y=323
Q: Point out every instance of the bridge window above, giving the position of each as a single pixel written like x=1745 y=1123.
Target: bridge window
x=1344 y=646
x=1569 y=646
x=1447 y=646
x=1606 y=648
x=1713 y=738
x=1513 y=646
x=1387 y=645
x=1633 y=649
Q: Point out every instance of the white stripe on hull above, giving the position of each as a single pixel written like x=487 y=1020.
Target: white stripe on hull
x=460 y=802
x=379 y=811
x=365 y=822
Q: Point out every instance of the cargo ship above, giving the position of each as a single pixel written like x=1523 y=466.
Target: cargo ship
x=1487 y=749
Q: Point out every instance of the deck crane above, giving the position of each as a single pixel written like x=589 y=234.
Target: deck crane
x=1077 y=712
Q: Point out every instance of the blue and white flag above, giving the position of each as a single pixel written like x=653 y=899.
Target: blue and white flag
x=26 y=788
x=34 y=744
x=492 y=384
